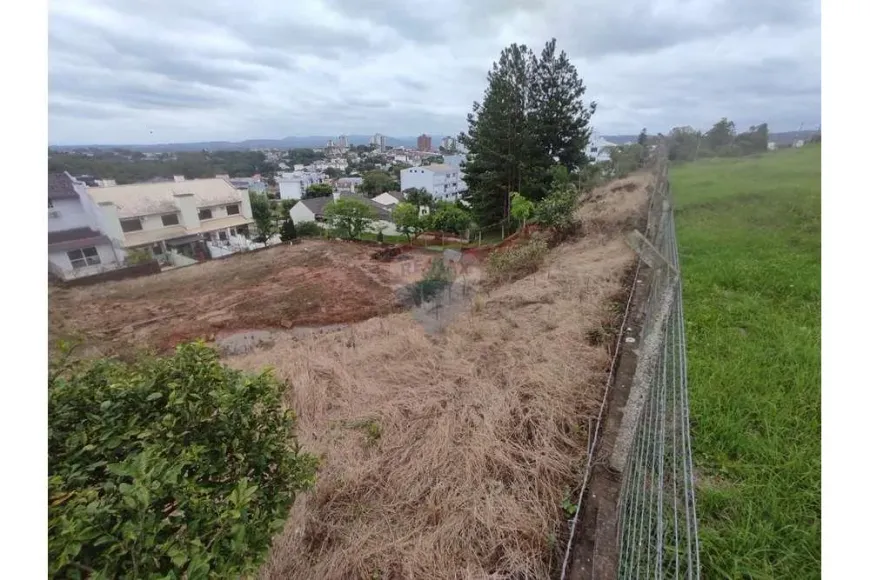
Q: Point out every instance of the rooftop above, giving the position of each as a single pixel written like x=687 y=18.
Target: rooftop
x=60 y=186
x=141 y=199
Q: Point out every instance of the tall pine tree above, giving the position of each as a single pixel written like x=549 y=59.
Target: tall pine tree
x=532 y=117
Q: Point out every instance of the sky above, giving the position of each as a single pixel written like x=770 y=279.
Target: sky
x=133 y=72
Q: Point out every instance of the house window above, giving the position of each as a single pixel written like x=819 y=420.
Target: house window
x=205 y=214
x=233 y=209
x=170 y=219
x=594 y=149
x=83 y=257
x=131 y=225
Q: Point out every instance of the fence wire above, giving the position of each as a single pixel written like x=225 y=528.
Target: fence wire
x=657 y=525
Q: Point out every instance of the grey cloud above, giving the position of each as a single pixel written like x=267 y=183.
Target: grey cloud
x=233 y=70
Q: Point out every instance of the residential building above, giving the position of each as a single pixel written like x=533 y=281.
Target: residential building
x=379 y=141
x=441 y=180
x=771 y=146
x=389 y=198
x=174 y=218
x=598 y=148
x=293 y=185
x=77 y=244
x=348 y=184
x=253 y=184
x=448 y=143
x=424 y=142
x=456 y=160
x=312 y=210
x=343 y=142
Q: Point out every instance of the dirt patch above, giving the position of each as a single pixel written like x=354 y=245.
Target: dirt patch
x=311 y=284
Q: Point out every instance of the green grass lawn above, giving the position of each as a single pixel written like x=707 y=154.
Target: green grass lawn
x=750 y=240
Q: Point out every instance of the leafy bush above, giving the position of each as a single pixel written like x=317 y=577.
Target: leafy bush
x=516 y=261
x=308 y=230
x=557 y=209
x=138 y=256
x=449 y=217
x=174 y=467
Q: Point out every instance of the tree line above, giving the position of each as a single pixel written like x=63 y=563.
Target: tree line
x=132 y=167
x=721 y=140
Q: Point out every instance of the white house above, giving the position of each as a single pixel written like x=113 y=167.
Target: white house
x=77 y=243
x=771 y=145
x=441 y=180
x=389 y=198
x=172 y=218
x=598 y=148
x=311 y=210
x=293 y=185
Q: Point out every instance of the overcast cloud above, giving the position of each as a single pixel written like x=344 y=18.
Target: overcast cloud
x=127 y=71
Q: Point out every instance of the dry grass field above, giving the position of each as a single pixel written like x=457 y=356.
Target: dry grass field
x=448 y=455
x=445 y=454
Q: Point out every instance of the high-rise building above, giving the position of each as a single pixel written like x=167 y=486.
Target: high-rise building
x=424 y=142
x=448 y=143
x=378 y=141
x=342 y=141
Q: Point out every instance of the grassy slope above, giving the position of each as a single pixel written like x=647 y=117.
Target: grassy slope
x=750 y=241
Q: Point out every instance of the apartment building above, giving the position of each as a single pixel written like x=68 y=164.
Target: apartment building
x=424 y=142
x=173 y=218
x=441 y=180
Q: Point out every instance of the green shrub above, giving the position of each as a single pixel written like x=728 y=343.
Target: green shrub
x=556 y=211
x=516 y=261
x=138 y=256
x=173 y=467
x=308 y=230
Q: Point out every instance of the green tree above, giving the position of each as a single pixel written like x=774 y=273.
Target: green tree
x=263 y=217
x=377 y=182
x=532 y=114
x=684 y=143
x=333 y=172
x=521 y=208
x=419 y=197
x=449 y=217
x=408 y=220
x=349 y=217
x=288 y=230
x=721 y=135
x=318 y=190
x=172 y=467
x=642 y=138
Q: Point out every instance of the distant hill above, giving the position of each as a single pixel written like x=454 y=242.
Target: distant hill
x=320 y=141
x=285 y=143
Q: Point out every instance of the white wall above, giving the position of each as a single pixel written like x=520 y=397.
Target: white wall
x=301 y=214
x=418 y=177
x=290 y=189
x=71 y=215
x=107 y=260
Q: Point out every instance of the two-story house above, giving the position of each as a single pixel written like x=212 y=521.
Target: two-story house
x=441 y=180
x=77 y=243
x=177 y=215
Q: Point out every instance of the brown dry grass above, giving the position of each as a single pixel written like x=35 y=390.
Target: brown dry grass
x=448 y=456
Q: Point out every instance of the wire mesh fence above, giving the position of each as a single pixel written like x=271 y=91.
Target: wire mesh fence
x=657 y=523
